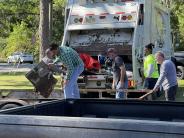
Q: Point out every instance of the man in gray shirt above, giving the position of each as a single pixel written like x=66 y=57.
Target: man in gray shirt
x=167 y=77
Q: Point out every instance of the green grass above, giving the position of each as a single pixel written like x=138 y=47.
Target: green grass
x=181 y=83
x=18 y=81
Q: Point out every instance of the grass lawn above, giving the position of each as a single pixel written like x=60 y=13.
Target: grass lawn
x=181 y=83
x=18 y=81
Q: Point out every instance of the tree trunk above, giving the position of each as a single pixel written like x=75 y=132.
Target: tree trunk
x=44 y=27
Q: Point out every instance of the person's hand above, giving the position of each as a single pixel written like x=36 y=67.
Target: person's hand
x=155 y=90
x=50 y=65
x=66 y=82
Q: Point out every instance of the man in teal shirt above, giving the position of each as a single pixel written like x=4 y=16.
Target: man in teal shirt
x=74 y=65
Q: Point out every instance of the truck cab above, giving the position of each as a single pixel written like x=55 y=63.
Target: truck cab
x=93 y=26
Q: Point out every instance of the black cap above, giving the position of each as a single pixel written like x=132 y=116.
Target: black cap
x=150 y=46
x=53 y=46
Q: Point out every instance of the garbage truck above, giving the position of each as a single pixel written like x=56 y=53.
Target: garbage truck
x=93 y=26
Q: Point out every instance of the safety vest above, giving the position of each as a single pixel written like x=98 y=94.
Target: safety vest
x=150 y=59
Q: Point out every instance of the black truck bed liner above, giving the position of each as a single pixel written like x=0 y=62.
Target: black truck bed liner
x=94 y=118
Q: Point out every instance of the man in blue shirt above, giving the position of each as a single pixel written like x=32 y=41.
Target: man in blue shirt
x=167 y=77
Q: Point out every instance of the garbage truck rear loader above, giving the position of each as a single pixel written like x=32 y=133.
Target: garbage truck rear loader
x=93 y=26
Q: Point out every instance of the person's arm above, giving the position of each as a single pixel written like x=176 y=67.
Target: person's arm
x=57 y=59
x=113 y=84
x=122 y=75
x=150 y=70
x=121 y=65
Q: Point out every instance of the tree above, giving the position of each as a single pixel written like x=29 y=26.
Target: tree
x=58 y=20
x=44 y=26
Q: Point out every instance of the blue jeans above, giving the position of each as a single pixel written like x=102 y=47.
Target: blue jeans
x=71 y=89
x=121 y=94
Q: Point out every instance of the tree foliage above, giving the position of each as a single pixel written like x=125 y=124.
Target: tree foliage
x=19 y=24
x=58 y=20
x=177 y=20
x=19 y=20
x=19 y=39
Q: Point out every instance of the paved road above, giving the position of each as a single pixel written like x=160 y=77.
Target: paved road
x=5 y=67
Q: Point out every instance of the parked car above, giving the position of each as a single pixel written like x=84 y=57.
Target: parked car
x=20 y=57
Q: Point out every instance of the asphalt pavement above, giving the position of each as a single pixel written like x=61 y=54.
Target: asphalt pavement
x=25 y=67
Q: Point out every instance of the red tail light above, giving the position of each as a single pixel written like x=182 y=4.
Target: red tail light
x=124 y=17
x=131 y=83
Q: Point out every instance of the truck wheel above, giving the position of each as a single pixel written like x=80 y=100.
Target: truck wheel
x=180 y=72
x=7 y=106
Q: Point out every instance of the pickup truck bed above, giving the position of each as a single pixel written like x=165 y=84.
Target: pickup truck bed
x=94 y=118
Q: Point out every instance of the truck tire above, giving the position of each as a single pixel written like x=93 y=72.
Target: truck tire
x=7 y=106
x=180 y=72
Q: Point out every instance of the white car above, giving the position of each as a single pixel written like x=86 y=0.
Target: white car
x=20 y=57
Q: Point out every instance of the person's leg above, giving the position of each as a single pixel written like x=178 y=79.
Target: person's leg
x=170 y=94
x=146 y=83
x=69 y=88
x=152 y=82
x=121 y=94
x=75 y=92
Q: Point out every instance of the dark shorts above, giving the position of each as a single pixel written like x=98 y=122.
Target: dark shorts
x=170 y=93
x=149 y=83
